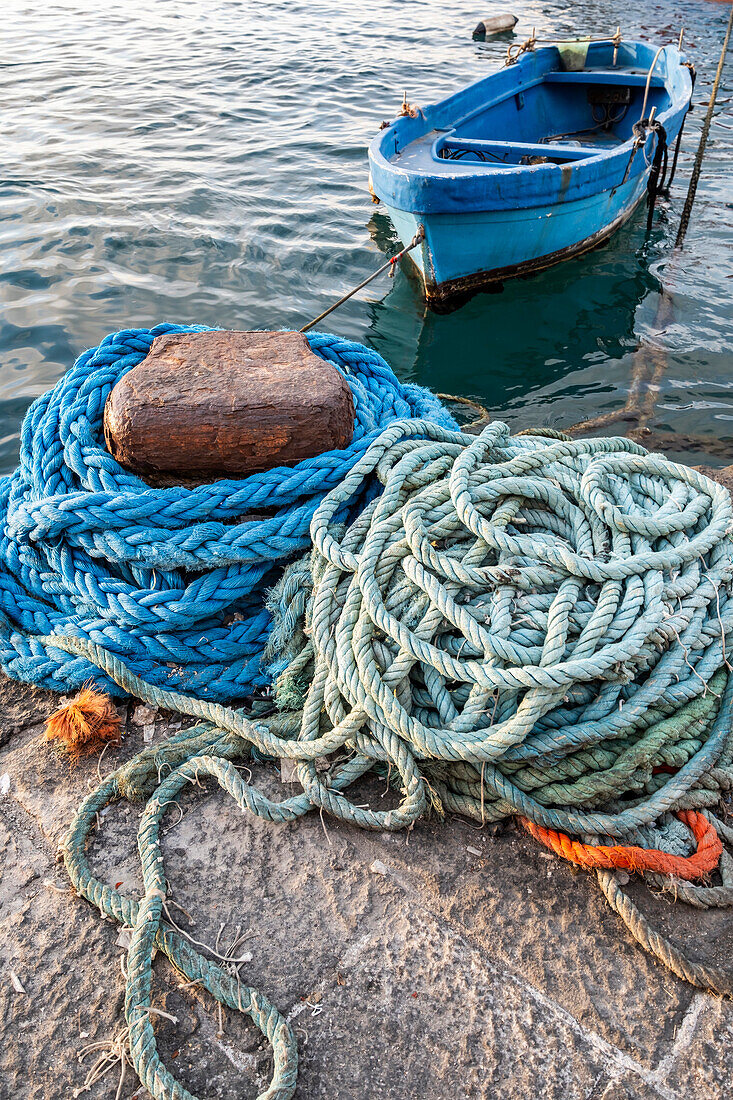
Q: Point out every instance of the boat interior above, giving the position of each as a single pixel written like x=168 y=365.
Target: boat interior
x=560 y=117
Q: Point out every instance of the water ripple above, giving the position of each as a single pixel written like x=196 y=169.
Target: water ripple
x=208 y=162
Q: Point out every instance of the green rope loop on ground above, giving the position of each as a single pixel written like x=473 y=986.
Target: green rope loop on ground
x=527 y=625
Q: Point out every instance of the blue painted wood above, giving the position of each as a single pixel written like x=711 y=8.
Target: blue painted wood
x=463 y=168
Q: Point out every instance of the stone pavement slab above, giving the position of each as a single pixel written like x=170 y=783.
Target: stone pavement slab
x=447 y=962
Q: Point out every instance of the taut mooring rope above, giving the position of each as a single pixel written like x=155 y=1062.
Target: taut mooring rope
x=388 y=266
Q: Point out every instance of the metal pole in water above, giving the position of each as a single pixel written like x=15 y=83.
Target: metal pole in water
x=697 y=167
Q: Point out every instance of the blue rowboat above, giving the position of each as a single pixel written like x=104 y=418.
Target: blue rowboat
x=537 y=162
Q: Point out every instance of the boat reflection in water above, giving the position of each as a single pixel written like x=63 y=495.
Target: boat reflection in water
x=536 y=162
x=528 y=350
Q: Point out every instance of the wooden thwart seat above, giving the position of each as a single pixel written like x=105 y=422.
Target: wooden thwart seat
x=507 y=150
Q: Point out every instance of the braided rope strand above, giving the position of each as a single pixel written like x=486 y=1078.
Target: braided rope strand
x=502 y=626
x=172 y=581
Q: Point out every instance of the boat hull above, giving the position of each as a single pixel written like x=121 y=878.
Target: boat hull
x=518 y=170
x=464 y=254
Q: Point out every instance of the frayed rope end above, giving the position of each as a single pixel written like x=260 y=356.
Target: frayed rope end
x=85 y=724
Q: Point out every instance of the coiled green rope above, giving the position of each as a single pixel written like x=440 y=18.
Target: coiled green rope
x=525 y=625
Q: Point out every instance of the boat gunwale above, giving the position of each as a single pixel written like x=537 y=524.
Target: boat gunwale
x=418 y=191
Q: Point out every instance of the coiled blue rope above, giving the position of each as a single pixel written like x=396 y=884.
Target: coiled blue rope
x=170 y=580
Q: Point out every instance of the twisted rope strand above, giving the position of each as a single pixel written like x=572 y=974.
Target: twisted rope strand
x=633 y=858
x=172 y=581
x=500 y=625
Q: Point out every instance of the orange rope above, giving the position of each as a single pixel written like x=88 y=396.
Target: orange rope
x=632 y=858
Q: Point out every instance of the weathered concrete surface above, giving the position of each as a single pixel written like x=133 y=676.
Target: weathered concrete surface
x=440 y=974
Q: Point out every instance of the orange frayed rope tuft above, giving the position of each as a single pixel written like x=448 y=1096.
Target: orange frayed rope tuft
x=631 y=858
x=85 y=724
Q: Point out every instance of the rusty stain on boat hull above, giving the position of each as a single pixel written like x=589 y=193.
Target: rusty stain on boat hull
x=515 y=172
x=450 y=295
